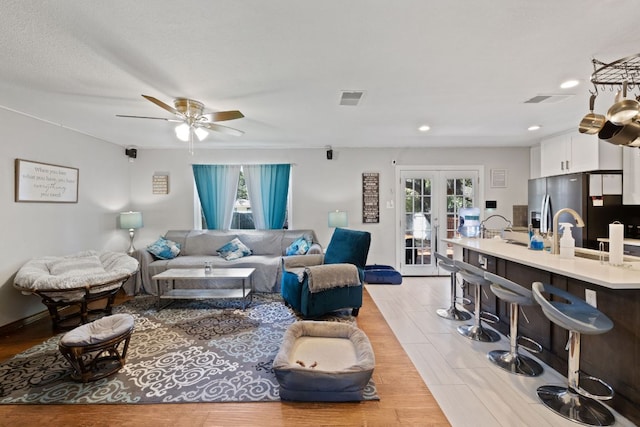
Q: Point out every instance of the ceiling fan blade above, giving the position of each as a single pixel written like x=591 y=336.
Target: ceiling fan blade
x=151 y=118
x=220 y=128
x=145 y=117
x=221 y=116
x=163 y=105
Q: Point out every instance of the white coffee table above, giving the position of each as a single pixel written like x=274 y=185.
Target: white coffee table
x=228 y=274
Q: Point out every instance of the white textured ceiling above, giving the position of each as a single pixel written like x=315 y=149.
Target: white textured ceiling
x=465 y=67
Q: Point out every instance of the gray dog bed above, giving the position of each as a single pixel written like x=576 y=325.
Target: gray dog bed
x=323 y=362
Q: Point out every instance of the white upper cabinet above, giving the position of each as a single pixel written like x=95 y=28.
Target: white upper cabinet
x=631 y=176
x=577 y=152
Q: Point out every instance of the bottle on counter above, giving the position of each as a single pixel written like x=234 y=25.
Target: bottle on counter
x=530 y=235
x=537 y=242
x=567 y=242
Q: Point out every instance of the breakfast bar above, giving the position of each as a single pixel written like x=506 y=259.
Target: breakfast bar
x=615 y=290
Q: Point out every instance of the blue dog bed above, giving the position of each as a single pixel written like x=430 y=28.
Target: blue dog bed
x=382 y=274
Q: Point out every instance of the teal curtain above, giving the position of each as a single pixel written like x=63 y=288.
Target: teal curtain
x=268 y=188
x=217 y=186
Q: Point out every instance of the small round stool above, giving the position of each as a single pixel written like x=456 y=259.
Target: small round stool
x=578 y=317
x=476 y=332
x=451 y=313
x=99 y=348
x=512 y=360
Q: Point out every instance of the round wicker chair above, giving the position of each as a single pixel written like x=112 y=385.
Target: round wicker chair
x=76 y=280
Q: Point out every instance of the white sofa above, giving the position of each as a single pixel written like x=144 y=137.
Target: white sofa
x=198 y=246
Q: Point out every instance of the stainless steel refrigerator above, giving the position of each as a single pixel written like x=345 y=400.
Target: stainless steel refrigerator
x=548 y=195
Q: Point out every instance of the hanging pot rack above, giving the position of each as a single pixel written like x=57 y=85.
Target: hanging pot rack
x=622 y=124
x=614 y=74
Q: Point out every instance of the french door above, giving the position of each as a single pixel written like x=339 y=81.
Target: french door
x=429 y=201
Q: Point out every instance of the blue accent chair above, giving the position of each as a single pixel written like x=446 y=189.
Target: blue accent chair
x=345 y=247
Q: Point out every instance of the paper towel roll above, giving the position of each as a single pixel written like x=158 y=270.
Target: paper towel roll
x=616 y=243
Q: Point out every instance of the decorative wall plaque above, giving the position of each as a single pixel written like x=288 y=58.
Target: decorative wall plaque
x=160 y=184
x=370 y=197
x=44 y=182
x=498 y=178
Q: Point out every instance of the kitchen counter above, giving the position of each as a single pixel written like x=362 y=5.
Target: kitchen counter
x=613 y=356
x=588 y=270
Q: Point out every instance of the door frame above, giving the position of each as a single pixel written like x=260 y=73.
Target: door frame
x=399 y=170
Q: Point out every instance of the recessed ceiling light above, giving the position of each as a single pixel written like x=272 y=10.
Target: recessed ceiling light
x=424 y=128
x=534 y=127
x=569 y=84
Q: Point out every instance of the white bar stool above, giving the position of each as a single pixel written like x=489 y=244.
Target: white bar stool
x=451 y=313
x=578 y=317
x=512 y=360
x=476 y=332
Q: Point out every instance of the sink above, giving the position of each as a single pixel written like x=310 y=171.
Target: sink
x=516 y=242
x=594 y=256
x=604 y=256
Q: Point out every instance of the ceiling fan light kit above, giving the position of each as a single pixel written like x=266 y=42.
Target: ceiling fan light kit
x=192 y=119
x=621 y=126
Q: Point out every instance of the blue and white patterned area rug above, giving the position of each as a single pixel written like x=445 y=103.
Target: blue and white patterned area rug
x=191 y=351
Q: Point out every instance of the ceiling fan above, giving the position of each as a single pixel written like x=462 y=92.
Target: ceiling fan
x=192 y=119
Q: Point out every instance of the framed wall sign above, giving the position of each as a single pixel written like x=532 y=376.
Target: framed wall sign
x=498 y=178
x=160 y=184
x=370 y=197
x=44 y=182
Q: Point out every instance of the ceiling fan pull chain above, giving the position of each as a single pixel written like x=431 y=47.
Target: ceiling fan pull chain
x=191 y=140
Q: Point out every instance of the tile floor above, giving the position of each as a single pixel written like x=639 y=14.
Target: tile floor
x=470 y=390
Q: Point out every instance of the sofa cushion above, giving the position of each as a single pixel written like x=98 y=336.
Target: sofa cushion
x=262 y=242
x=233 y=250
x=206 y=242
x=299 y=247
x=164 y=249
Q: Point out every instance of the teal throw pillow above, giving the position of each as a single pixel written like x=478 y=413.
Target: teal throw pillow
x=164 y=249
x=233 y=250
x=299 y=247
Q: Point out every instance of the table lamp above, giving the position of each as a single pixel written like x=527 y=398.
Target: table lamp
x=338 y=219
x=131 y=221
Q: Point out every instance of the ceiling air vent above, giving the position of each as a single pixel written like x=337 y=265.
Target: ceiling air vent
x=351 y=97
x=547 y=99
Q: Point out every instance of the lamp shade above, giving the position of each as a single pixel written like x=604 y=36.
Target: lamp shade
x=338 y=219
x=131 y=220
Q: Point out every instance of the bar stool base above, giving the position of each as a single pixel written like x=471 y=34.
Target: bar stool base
x=452 y=313
x=478 y=333
x=515 y=363
x=575 y=407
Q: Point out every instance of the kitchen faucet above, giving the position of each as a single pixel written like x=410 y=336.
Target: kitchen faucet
x=555 y=247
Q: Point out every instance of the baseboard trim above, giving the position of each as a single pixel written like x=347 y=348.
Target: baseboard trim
x=19 y=324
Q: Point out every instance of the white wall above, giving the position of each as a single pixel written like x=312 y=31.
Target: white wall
x=319 y=185
x=37 y=229
x=110 y=184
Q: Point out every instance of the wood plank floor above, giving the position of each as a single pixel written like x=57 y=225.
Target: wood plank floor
x=404 y=398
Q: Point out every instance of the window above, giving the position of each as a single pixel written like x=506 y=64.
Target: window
x=242 y=216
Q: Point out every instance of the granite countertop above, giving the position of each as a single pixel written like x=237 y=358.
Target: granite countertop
x=593 y=271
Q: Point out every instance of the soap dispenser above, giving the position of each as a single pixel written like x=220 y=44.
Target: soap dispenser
x=537 y=243
x=567 y=242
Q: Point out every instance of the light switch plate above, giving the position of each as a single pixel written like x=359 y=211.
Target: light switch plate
x=590 y=297
x=482 y=261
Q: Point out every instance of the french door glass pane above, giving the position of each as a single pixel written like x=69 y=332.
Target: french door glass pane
x=459 y=195
x=418 y=221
